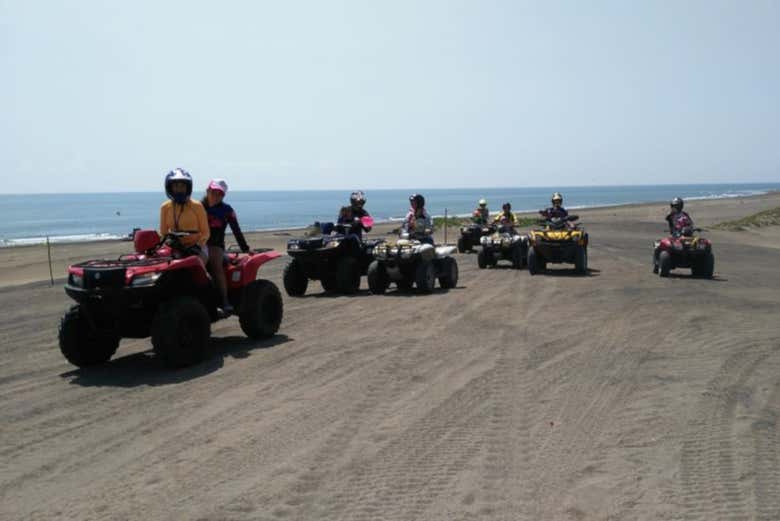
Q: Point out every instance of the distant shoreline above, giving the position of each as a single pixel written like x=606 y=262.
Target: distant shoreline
x=109 y=238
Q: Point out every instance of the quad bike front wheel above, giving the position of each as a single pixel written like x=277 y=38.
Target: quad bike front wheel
x=449 y=277
x=295 y=279
x=704 y=267
x=261 y=310
x=377 y=278
x=581 y=260
x=348 y=276
x=664 y=263
x=425 y=277
x=180 y=331
x=461 y=245
x=533 y=262
x=482 y=260
x=518 y=257
x=80 y=344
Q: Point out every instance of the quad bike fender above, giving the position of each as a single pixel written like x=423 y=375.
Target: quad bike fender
x=246 y=270
x=426 y=251
x=444 y=251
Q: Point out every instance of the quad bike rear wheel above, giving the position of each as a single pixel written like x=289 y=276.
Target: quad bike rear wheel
x=347 y=276
x=295 y=279
x=261 y=310
x=377 y=278
x=80 y=344
x=180 y=331
x=425 y=277
x=449 y=277
x=461 y=245
x=664 y=263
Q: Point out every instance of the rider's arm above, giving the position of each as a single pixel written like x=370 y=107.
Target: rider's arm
x=165 y=218
x=232 y=220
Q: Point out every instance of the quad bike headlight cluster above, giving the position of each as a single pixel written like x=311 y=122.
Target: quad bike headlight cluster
x=293 y=246
x=145 y=279
x=332 y=244
x=76 y=280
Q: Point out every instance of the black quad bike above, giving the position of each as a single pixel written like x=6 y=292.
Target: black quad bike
x=337 y=260
x=162 y=292
x=471 y=235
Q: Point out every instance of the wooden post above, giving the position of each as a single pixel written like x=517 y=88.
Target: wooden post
x=48 y=251
x=445 y=226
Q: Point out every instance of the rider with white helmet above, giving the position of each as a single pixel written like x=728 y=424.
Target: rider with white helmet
x=181 y=214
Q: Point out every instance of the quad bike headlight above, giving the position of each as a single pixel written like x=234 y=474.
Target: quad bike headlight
x=293 y=246
x=145 y=279
x=332 y=244
x=75 y=280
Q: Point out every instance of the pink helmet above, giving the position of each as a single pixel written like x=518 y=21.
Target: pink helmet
x=219 y=185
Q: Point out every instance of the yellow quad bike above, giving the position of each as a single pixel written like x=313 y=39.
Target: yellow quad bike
x=558 y=242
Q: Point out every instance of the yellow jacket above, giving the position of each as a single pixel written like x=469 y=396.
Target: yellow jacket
x=509 y=219
x=190 y=216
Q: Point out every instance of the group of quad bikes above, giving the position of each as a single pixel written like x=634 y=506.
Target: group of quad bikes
x=559 y=240
x=160 y=291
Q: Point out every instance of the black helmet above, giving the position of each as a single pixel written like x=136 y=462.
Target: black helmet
x=677 y=203
x=357 y=199
x=417 y=200
x=177 y=175
x=506 y=206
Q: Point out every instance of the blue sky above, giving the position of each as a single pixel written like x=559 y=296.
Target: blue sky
x=108 y=96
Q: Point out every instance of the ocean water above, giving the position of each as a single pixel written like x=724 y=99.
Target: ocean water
x=29 y=219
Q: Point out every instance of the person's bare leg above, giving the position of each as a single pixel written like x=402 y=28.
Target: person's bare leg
x=218 y=272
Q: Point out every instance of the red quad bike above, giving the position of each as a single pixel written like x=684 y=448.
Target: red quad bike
x=160 y=292
x=684 y=250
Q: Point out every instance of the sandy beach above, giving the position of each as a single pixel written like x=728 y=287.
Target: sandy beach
x=618 y=395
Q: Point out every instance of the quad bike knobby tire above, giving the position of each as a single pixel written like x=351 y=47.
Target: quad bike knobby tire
x=295 y=280
x=425 y=277
x=664 y=263
x=180 y=331
x=517 y=257
x=533 y=262
x=705 y=267
x=449 y=278
x=461 y=245
x=82 y=346
x=329 y=283
x=581 y=260
x=377 y=278
x=347 y=276
x=482 y=260
x=261 y=310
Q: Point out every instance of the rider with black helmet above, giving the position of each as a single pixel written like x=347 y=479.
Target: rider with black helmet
x=677 y=218
x=418 y=221
x=506 y=217
x=356 y=202
x=181 y=214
